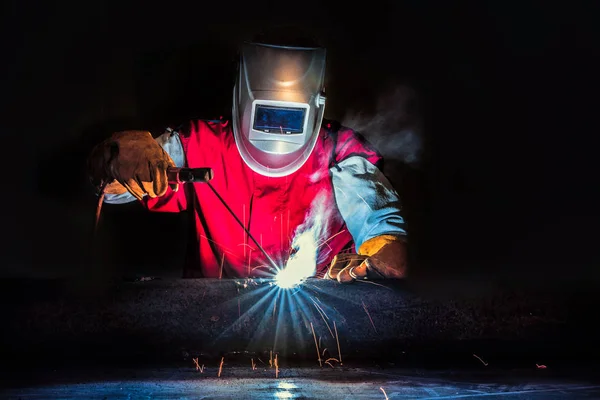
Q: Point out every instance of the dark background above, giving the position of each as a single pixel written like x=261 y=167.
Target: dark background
x=505 y=188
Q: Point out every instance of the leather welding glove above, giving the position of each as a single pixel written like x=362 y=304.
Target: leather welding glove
x=131 y=161
x=381 y=257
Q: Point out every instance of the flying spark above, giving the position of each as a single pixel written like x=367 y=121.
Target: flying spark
x=316 y=344
x=338 y=343
x=198 y=367
x=384 y=393
x=323 y=316
x=221 y=367
x=369 y=315
x=480 y=359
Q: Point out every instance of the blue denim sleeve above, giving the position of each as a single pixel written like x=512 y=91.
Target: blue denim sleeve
x=366 y=199
x=172 y=145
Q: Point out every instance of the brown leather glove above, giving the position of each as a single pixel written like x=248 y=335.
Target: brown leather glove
x=131 y=161
x=382 y=257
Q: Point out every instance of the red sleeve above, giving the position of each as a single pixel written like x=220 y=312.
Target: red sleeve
x=350 y=143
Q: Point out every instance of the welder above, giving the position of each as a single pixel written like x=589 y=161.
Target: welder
x=277 y=164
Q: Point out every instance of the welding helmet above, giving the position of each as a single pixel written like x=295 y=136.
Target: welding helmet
x=278 y=106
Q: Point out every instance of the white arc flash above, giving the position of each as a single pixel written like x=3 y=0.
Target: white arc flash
x=302 y=263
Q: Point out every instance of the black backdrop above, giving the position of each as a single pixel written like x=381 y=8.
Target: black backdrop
x=505 y=187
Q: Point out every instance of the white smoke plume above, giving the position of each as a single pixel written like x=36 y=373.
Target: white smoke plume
x=394 y=128
x=307 y=239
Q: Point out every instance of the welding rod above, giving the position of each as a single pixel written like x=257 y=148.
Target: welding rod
x=204 y=175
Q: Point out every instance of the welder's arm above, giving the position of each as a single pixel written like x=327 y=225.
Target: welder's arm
x=171 y=143
x=371 y=208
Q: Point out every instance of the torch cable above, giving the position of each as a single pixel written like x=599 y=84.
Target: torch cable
x=273 y=264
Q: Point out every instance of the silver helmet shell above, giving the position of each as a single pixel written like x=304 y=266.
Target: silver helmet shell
x=278 y=106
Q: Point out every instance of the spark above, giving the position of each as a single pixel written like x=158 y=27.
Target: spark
x=384 y=393
x=270 y=358
x=331 y=238
x=479 y=358
x=364 y=201
x=249 y=259
x=340 y=190
x=221 y=367
x=320 y=308
x=373 y=283
x=322 y=316
x=222 y=262
x=262 y=266
x=327 y=244
x=331 y=359
x=276 y=367
x=369 y=315
x=253 y=364
x=338 y=313
x=338 y=343
x=540 y=366
x=198 y=367
x=225 y=249
x=316 y=345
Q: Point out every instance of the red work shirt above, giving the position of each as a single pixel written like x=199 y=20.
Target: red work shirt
x=272 y=209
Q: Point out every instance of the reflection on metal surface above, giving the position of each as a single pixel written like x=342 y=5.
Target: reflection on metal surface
x=286 y=385
x=312 y=383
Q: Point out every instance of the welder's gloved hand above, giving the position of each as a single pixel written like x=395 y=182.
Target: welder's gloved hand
x=131 y=161
x=382 y=257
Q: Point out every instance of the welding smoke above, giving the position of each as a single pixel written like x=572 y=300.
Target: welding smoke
x=307 y=239
x=394 y=127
